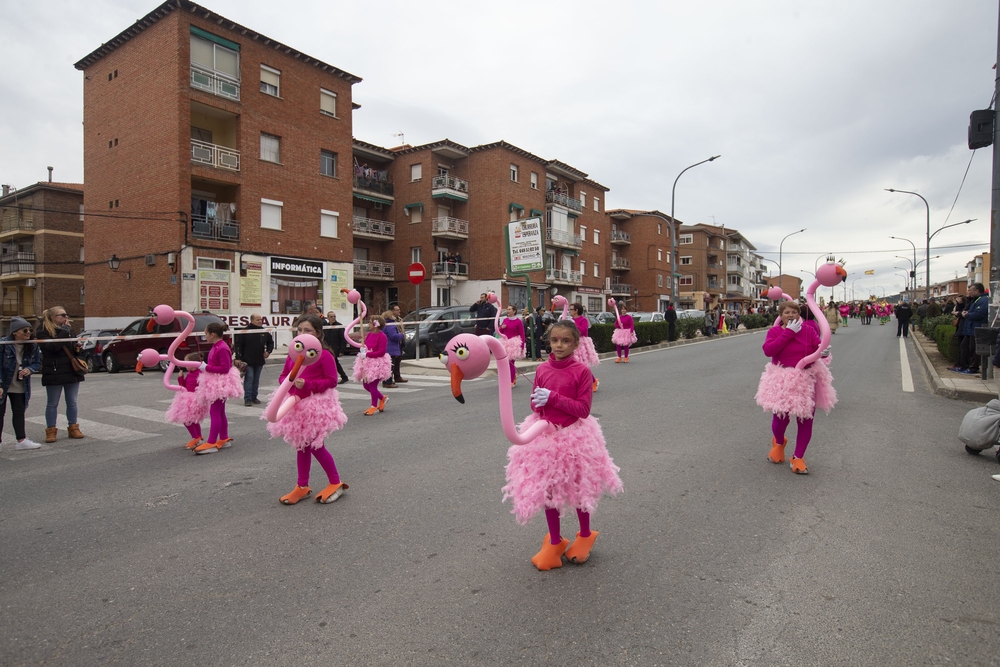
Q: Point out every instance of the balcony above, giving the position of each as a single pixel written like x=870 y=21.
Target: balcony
x=563 y=277
x=215 y=82
x=17 y=263
x=380 y=230
x=562 y=239
x=713 y=284
x=621 y=289
x=14 y=221
x=449 y=228
x=365 y=270
x=553 y=197
x=449 y=187
x=213 y=229
x=213 y=155
x=620 y=264
x=456 y=270
x=377 y=186
x=18 y=302
x=621 y=238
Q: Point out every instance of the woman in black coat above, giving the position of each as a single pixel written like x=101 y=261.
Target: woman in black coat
x=58 y=374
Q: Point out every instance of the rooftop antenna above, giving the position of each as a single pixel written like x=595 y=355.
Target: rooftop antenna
x=402 y=139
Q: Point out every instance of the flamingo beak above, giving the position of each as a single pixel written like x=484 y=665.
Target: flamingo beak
x=295 y=369
x=456 y=383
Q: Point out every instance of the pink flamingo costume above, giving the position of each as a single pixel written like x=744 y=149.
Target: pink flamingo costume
x=511 y=332
x=797 y=381
x=187 y=408
x=372 y=363
x=585 y=352
x=624 y=336
x=559 y=459
x=305 y=416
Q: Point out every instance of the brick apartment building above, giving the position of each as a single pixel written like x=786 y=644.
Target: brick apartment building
x=41 y=251
x=978 y=270
x=790 y=285
x=701 y=258
x=218 y=149
x=641 y=246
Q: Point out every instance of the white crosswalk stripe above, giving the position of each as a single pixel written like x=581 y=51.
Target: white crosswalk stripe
x=99 y=431
x=136 y=412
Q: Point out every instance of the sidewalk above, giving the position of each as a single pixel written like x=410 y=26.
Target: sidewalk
x=952 y=385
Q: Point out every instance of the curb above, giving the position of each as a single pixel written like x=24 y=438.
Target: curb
x=943 y=390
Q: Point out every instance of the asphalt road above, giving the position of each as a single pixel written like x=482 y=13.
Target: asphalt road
x=124 y=549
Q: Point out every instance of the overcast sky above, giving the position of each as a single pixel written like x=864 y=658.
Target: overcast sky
x=815 y=107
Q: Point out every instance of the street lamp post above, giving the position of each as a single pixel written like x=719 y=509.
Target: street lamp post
x=928 y=207
x=780 y=284
x=673 y=230
x=913 y=278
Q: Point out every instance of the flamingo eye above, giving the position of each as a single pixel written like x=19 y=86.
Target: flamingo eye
x=312 y=354
x=462 y=351
x=299 y=346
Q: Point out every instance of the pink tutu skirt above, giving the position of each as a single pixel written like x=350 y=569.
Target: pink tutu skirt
x=624 y=337
x=514 y=347
x=788 y=390
x=371 y=369
x=565 y=469
x=310 y=420
x=585 y=353
x=186 y=408
x=214 y=387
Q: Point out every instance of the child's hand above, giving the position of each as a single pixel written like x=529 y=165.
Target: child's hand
x=795 y=325
x=203 y=366
x=540 y=396
x=299 y=382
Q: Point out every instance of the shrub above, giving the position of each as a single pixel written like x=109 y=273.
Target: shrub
x=688 y=327
x=755 y=321
x=929 y=325
x=601 y=335
x=947 y=344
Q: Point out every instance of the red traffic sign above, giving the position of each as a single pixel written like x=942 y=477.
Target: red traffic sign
x=416 y=273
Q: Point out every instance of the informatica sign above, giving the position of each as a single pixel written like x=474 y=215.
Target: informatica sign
x=300 y=268
x=526 y=247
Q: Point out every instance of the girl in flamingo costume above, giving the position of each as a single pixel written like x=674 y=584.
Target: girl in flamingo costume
x=794 y=384
x=624 y=336
x=372 y=363
x=511 y=335
x=559 y=460
x=306 y=408
x=585 y=352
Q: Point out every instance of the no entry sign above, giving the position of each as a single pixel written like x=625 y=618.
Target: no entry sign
x=416 y=273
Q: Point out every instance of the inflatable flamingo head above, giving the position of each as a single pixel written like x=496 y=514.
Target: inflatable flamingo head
x=148 y=358
x=831 y=274
x=465 y=356
x=775 y=293
x=612 y=304
x=306 y=347
x=353 y=296
x=492 y=297
x=559 y=301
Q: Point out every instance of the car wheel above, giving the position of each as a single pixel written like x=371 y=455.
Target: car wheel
x=162 y=366
x=425 y=351
x=110 y=363
x=91 y=366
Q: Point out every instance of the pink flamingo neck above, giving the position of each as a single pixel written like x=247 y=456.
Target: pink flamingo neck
x=172 y=352
x=618 y=318
x=496 y=318
x=507 y=398
x=824 y=326
x=354 y=322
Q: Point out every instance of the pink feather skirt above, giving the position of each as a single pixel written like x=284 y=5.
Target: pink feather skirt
x=310 y=420
x=371 y=369
x=565 y=469
x=514 y=347
x=186 y=408
x=214 y=387
x=586 y=353
x=788 y=390
x=624 y=337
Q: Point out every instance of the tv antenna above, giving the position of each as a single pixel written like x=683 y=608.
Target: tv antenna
x=402 y=139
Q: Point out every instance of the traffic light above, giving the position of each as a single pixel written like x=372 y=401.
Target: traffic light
x=981 y=129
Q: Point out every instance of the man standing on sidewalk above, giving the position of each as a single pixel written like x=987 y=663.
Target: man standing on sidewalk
x=903 y=315
x=975 y=315
x=394 y=332
x=253 y=349
x=334 y=339
x=484 y=312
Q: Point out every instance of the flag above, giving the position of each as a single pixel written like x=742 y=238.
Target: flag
x=870 y=272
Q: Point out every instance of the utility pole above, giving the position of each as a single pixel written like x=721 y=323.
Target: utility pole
x=994 y=277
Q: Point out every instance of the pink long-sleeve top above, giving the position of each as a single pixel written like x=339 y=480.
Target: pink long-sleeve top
x=318 y=376
x=189 y=380
x=570 y=383
x=511 y=327
x=376 y=344
x=786 y=348
x=220 y=358
x=627 y=322
x=583 y=324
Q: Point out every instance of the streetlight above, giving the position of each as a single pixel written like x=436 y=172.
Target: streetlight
x=928 y=207
x=673 y=229
x=852 y=287
x=914 y=262
x=114 y=262
x=816 y=263
x=954 y=224
x=779 y=255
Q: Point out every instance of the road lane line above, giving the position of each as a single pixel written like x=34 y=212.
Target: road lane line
x=136 y=412
x=905 y=363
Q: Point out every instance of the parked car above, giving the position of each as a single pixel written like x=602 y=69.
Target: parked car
x=119 y=354
x=692 y=313
x=437 y=327
x=93 y=350
x=601 y=318
x=648 y=317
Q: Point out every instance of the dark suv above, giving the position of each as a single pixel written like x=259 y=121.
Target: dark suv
x=93 y=350
x=119 y=354
x=437 y=327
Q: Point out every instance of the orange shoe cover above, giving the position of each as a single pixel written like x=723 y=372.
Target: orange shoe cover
x=777 y=454
x=799 y=466
x=381 y=403
x=297 y=494
x=370 y=411
x=225 y=442
x=194 y=442
x=331 y=493
x=618 y=360
x=597 y=383
x=626 y=360
x=207 y=448
x=551 y=554
x=580 y=551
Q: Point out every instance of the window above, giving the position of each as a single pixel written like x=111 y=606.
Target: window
x=659 y=255
x=659 y=280
x=685 y=261
x=416 y=171
x=659 y=228
x=597 y=237
x=213 y=264
x=668 y=258
x=583 y=233
x=733 y=280
x=594 y=304
x=597 y=204
x=583 y=199
x=328 y=223
x=270 y=147
x=513 y=214
x=270 y=214
x=686 y=280
x=686 y=239
x=415 y=254
x=270 y=80
x=328 y=163
x=513 y=172
x=215 y=57
x=81 y=254
x=327 y=102
x=597 y=270
x=583 y=268
x=416 y=215
x=534 y=181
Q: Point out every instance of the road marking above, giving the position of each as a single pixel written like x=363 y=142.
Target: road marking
x=99 y=431
x=905 y=363
x=136 y=412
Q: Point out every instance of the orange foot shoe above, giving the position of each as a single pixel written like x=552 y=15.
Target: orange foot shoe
x=331 y=493
x=194 y=442
x=618 y=360
x=626 y=360
x=551 y=554
x=225 y=442
x=207 y=448
x=799 y=466
x=381 y=403
x=297 y=494
x=580 y=551
x=597 y=383
x=370 y=411
x=777 y=454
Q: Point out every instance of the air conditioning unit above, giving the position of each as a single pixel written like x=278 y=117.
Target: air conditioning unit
x=30 y=282
x=150 y=260
x=377 y=206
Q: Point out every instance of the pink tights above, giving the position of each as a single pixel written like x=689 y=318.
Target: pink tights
x=621 y=348
x=552 y=518
x=219 y=425
x=372 y=388
x=194 y=430
x=802 y=436
x=304 y=459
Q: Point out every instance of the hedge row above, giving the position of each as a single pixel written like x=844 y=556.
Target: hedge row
x=941 y=330
x=652 y=333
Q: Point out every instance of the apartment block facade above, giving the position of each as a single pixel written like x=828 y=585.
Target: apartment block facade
x=641 y=259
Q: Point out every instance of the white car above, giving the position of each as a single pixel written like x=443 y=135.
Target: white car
x=691 y=313
x=648 y=317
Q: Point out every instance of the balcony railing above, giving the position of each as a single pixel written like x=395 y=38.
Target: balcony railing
x=445 y=226
x=12 y=222
x=203 y=227
x=621 y=263
x=560 y=237
x=374 y=270
x=561 y=275
x=553 y=197
x=380 y=229
x=13 y=263
x=215 y=82
x=713 y=284
x=621 y=288
x=450 y=269
x=449 y=183
x=214 y=155
x=621 y=237
x=373 y=185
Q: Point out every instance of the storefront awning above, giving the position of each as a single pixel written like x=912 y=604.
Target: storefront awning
x=374 y=200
